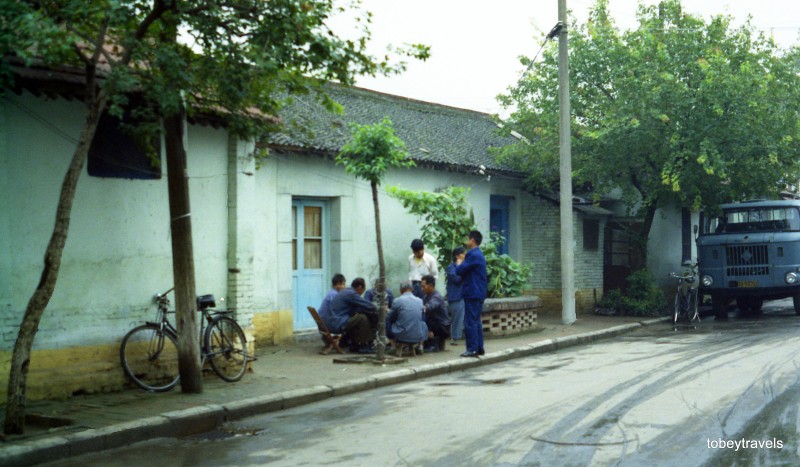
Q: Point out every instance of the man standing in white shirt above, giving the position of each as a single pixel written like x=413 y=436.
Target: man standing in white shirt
x=420 y=264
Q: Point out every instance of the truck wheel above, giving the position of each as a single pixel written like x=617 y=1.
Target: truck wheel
x=796 y=303
x=755 y=305
x=744 y=304
x=720 y=307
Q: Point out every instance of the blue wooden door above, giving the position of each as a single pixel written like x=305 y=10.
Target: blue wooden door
x=309 y=258
x=498 y=220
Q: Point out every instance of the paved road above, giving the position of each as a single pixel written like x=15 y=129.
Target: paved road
x=655 y=397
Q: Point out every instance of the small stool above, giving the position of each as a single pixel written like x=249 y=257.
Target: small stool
x=401 y=346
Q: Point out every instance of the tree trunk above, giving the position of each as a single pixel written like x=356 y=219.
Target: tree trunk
x=644 y=235
x=20 y=359
x=381 y=287
x=182 y=256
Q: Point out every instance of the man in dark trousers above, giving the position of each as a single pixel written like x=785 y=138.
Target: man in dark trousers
x=354 y=316
x=435 y=315
x=473 y=290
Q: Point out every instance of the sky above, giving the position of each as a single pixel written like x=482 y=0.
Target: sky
x=475 y=44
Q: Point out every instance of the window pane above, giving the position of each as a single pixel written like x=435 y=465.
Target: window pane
x=591 y=234
x=116 y=153
x=313 y=221
x=312 y=251
x=294 y=254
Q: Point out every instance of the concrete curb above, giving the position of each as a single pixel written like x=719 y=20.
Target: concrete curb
x=208 y=417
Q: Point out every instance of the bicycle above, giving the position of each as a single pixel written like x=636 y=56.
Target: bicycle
x=149 y=352
x=686 y=296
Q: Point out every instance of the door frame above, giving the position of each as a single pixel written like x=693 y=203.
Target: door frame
x=302 y=320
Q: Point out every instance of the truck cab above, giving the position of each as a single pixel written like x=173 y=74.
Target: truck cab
x=749 y=253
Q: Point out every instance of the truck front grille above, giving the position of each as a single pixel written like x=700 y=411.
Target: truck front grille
x=747 y=260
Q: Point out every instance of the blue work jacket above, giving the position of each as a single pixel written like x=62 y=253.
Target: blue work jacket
x=473 y=272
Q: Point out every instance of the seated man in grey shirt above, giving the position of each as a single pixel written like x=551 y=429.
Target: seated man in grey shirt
x=406 y=321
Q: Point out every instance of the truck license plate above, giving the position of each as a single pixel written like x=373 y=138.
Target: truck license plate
x=747 y=284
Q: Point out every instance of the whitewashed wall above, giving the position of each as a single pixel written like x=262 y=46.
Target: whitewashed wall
x=664 y=244
x=284 y=176
x=118 y=253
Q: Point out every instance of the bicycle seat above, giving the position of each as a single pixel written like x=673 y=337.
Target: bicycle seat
x=205 y=302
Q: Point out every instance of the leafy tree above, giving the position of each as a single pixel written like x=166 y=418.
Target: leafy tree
x=678 y=112
x=446 y=217
x=448 y=221
x=371 y=151
x=236 y=57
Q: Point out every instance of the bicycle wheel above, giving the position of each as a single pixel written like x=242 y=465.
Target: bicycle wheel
x=676 y=311
x=226 y=348
x=692 y=312
x=149 y=357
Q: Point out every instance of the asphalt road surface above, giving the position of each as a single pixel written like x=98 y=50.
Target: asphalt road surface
x=720 y=393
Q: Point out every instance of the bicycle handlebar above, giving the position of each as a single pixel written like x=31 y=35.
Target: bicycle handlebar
x=688 y=279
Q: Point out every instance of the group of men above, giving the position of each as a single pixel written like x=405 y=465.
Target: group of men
x=420 y=313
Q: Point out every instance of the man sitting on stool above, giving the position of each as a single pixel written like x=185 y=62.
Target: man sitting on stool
x=435 y=315
x=405 y=322
x=355 y=317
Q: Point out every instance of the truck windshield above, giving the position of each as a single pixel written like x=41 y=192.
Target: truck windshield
x=754 y=220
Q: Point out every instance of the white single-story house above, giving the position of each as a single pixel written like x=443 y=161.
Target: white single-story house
x=268 y=233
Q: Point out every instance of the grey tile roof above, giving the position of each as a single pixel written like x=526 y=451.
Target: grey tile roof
x=448 y=137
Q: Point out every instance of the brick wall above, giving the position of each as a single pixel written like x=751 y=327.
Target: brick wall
x=541 y=247
x=585 y=299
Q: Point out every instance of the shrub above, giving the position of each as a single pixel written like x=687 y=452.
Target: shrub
x=507 y=277
x=447 y=220
x=642 y=298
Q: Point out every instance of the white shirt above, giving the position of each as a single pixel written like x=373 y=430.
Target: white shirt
x=417 y=268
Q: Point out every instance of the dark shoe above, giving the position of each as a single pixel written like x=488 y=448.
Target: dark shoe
x=481 y=352
x=454 y=342
x=469 y=354
x=431 y=348
x=418 y=350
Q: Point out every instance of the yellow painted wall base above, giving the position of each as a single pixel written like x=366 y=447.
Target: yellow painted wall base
x=585 y=300
x=61 y=373
x=273 y=328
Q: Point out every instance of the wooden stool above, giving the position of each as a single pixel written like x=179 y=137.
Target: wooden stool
x=401 y=346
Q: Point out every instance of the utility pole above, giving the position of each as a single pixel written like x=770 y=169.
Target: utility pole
x=565 y=155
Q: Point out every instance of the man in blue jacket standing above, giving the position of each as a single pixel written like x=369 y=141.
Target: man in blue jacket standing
x=473 y=290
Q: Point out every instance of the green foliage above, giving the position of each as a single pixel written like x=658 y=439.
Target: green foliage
x=507 y=277
x=238 y=59
x=680 y=111
x=446 y=218
x=642 y=298
x=372 y=150
x=446 y=223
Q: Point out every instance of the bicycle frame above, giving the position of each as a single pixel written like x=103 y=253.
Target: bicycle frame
x=686 y=290
x=149 y=352
x=207 y=316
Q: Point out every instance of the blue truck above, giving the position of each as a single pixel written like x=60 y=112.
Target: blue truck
x=749 y=253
